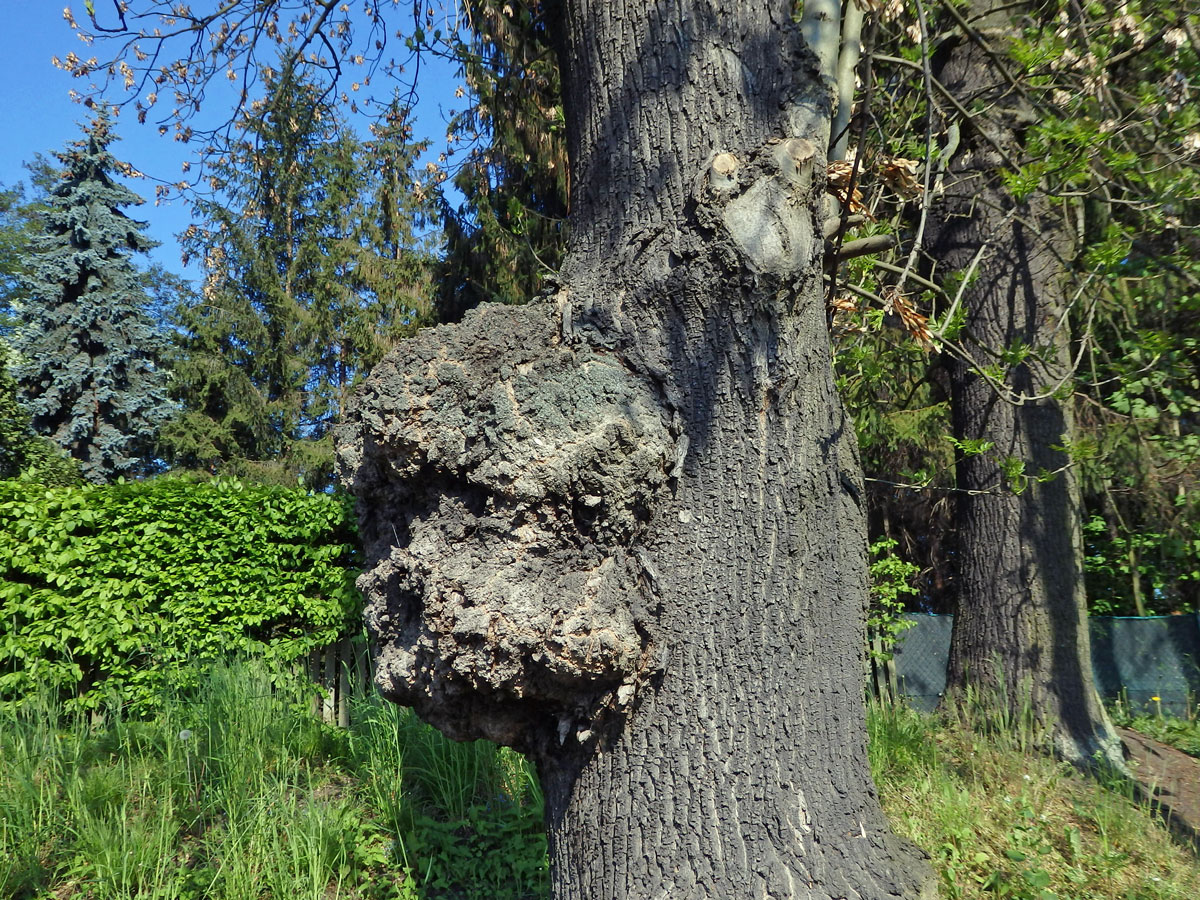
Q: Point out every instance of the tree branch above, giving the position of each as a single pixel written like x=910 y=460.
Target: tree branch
x=876 y=243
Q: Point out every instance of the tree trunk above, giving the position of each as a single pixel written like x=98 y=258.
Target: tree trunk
x=620 y=529
x=1020 y=643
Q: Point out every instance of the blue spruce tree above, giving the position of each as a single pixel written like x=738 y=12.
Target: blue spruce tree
x=86 y=348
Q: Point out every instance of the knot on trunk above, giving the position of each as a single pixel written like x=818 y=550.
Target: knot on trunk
x=763 y=204
x=504 y=480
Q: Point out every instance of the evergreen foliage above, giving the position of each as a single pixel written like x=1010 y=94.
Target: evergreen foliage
x=14 y=422
x=510 y=232
x=12 y=242
x=313 y=268
x=20 y=208
x=24 y=454
x=87 y=354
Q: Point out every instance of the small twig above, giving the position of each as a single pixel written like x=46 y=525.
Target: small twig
x=954 y=101
x=924 y=282
x=908 y=486
x=962 y=287
x=1129 y=54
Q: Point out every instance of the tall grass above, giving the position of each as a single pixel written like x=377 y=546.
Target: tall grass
x=235 y=791
x=467 y=820
x=1000 y=818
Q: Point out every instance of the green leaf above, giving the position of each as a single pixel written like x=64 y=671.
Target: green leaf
x=1037 y=878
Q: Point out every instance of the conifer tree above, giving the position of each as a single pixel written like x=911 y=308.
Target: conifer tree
x=87 y=352
x=511 y=230
x=312 y=272
x=15 y=433
x=20 y=208
x=379 y=269
x=24 y=454
x=11 y=243
x=14 y=421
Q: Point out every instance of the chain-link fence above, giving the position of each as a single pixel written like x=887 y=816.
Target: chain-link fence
x=1151 y=662
x=920 y=659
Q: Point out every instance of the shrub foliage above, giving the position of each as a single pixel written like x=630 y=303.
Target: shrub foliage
x=112 y=589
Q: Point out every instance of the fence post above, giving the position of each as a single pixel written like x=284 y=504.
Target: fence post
x=328 y=704
x=314 y=675
x=345 y=659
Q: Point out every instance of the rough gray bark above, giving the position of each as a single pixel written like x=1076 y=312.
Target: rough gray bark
x=621 y=528
x=1020 y=643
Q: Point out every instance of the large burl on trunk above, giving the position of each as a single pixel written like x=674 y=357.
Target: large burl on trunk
x=511 y=476
x=620 y=528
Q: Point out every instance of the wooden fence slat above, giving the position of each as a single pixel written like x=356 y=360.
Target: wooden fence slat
x=337 y=672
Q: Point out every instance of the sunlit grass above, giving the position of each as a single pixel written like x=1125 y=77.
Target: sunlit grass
x=1001 y=819
x=235 y=791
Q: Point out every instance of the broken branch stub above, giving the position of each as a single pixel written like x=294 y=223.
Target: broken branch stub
x=505 y=479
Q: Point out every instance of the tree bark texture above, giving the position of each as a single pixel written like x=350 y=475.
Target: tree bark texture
x=1020 y=643
x=620 y=528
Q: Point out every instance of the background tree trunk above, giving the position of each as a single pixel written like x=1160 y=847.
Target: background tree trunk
x=629 y=537
x=1020 y=643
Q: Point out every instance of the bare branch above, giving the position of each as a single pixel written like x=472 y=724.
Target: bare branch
x=954 y=101
x=164 y=55
x=847 y=65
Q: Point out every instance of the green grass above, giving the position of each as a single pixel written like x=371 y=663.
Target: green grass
x=1178 y=731
x=238 y=792
x=1002 y=820
x=235 y=792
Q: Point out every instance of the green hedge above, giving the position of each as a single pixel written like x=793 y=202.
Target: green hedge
x=111 y=590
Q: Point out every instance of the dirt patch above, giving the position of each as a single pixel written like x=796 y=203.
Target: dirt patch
x=1169 y=779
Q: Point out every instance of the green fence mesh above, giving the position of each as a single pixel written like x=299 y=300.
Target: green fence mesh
x=1138 y=659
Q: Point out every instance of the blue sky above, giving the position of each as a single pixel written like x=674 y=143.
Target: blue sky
x=37 y=115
